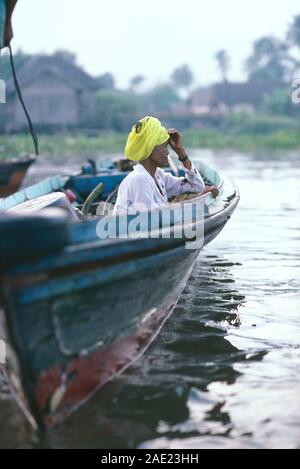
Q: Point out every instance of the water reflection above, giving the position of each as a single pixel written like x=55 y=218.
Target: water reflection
x=165 y=392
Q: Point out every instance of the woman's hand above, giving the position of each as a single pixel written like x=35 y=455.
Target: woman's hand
x=175 y=142
x=213 y=189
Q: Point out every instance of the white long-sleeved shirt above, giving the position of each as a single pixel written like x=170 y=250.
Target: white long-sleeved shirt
x=138 y=191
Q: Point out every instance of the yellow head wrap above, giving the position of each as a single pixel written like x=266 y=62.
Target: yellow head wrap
x=147 y=134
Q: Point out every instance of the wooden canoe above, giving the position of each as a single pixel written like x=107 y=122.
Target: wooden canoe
x=12 y=173
x=79 y=315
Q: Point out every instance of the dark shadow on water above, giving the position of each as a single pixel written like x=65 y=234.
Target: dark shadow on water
x=191 y=352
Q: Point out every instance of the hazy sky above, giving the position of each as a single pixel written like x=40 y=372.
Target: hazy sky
x=151 y=37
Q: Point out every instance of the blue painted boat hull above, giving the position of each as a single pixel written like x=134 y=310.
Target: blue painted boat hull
x=77 y=318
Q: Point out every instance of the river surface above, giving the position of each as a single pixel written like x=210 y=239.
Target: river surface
x=224 y=372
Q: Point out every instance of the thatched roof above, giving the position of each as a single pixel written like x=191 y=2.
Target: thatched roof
x=65 y=69
x=242 y=93
x=233 y=93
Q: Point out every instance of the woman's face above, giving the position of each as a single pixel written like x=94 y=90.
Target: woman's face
x=160 y=155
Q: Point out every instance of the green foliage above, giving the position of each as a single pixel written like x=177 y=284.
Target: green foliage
x=278 y=102
x=286 y=137
x=239 y=123
x=136 y=81
x=63 y=144
x=269 y=61
x=106 y=81
x=116 y=110
x=182 y=77
x=160 y=98
x=293 y=34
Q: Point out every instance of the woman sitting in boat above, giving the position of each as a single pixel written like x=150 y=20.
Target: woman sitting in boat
x=148 y=186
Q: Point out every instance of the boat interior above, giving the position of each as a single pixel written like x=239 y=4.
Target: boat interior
x=93 y=191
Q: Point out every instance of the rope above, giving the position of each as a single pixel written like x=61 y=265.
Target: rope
x=18 y=90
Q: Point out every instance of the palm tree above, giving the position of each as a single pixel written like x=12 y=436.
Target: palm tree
x=269 y=61
x=136 y=82
x=182 y=77
x=293 y=35
x=294 y=32
x=223 y=61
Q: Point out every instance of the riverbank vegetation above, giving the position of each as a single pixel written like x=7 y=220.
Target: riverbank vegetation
x=261 y=113
x=237 y=132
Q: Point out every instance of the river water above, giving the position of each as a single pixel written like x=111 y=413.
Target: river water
x=224 y=371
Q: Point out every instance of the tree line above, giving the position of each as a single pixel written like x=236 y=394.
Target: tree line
x=271 y=60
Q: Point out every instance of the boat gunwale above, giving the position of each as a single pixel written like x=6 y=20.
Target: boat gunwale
x=140 y=247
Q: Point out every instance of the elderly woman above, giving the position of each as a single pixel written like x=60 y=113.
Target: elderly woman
x=148 y=186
